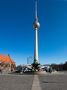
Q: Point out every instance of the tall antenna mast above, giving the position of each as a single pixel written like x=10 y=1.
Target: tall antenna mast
x=35 y=9
x=36 y=24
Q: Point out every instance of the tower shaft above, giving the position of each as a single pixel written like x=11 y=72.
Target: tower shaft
x=36 y=47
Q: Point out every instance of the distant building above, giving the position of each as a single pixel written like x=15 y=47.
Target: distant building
x=6 y=64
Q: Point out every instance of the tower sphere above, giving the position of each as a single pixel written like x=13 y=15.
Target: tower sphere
x=36 y=25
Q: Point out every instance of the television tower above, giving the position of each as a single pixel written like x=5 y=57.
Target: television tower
x=36 y=26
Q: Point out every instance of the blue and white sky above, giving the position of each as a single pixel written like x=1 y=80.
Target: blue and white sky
x=17 y=34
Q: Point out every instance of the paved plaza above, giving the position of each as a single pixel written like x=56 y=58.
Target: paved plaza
x=34 y=82
x=16 y=82
x=53 y=82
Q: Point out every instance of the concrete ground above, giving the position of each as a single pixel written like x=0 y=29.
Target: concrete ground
x=16 y=82
x=34 y=82
x=53 y=81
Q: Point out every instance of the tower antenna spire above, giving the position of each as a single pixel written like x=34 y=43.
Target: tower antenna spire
x=36 y=9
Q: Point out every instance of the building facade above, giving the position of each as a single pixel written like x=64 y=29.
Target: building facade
x=6 y=64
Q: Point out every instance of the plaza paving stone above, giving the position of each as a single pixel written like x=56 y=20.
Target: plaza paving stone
x=25 y=82
x=16 y=82
x=53 y=82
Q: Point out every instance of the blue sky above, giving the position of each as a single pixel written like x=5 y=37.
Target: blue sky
x=17 y=34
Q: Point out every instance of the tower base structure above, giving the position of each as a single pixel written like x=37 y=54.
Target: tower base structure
x=35 y=66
